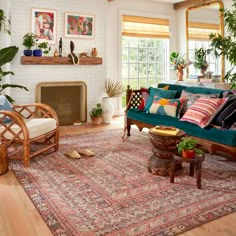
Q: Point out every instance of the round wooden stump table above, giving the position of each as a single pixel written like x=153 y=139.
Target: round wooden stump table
x=164 y=147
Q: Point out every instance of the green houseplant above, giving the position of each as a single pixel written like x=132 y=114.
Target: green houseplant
x=28 y=42
x=96 y=114
x=200 y=59
x=187 y=147
x=7 y=54
x=226 y=46
x=41 y=48
x=178 y=63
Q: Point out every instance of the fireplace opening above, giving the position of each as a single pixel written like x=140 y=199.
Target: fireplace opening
x=68 y=99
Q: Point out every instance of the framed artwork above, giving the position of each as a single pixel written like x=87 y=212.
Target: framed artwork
x=44 y=24
x=79 y=25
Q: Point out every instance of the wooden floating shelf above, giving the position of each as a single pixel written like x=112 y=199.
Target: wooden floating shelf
x=59 y=60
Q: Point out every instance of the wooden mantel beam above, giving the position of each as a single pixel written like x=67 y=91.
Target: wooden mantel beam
x=192 y=3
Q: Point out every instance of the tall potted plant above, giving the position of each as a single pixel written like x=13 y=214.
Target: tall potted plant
x=7 y=55
x=226 y=46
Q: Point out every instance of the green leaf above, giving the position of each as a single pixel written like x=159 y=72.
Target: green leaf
x=7 y=54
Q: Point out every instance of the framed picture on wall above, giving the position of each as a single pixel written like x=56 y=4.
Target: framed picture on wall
x=44 y=24
x=79 y=25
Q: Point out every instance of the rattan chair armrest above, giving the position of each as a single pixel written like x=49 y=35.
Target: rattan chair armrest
x=36 y=110
x=15 y=118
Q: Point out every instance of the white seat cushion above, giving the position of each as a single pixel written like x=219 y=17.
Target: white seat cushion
x=35 y=126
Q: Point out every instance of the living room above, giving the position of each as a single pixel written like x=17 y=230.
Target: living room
x=19 y=215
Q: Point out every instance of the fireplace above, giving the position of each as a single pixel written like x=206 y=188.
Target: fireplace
x=68 y=99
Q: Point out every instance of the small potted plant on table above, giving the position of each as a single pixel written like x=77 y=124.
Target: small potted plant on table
x=187 y=147
x=96 y=114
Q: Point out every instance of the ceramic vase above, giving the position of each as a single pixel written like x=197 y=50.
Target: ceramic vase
x=180 y=74
x=107 y=110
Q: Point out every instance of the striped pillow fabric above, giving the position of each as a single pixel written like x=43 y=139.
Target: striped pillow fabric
x=203 y=111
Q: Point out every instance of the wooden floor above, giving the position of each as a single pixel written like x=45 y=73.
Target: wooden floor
x=19 y=217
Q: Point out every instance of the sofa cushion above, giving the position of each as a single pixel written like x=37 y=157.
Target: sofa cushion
x=144 y=98
x=203 y=111
x=35 y=126
x=168 y=94
x=226 y=110
x=5 y=105
x=204 y=90
x=174 y=87
x=192 y=98
x=163 y=106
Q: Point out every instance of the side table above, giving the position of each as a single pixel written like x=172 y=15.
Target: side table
x=195 y=164
x=164 y=146
x=3 y=159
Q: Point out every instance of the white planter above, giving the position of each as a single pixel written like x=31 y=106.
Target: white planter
x=107 y=110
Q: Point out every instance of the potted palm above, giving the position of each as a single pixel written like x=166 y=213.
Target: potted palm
x=28 y=42
x=200 y=60
x=96 y=114
x=113 y=89
x=187 y=147
x=41 y=48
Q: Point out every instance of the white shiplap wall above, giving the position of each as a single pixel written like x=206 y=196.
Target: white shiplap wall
x=31 y=75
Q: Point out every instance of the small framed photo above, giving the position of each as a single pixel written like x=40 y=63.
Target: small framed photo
x=79 y=26
x=44 y=24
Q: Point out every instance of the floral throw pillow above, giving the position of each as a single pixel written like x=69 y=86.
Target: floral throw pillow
x=203 y=111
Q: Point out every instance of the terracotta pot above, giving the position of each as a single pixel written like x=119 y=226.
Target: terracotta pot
x=188 y=153
x=180 y=74
x=96 y=120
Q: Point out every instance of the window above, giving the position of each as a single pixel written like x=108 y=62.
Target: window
x=145 y=51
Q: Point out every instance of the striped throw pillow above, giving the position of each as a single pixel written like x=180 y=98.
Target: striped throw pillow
x=203 y=111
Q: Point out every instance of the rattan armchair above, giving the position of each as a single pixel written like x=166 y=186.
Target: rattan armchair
x=32 y=129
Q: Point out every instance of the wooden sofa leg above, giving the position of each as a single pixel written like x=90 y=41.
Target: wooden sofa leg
x=26 y=156
x=128 y=129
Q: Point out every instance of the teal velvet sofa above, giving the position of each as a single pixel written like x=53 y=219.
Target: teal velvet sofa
x=214 y=139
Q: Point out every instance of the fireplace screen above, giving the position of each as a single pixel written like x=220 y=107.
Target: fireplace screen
x=68 y=99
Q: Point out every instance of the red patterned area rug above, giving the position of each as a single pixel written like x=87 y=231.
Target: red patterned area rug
x=112 y=193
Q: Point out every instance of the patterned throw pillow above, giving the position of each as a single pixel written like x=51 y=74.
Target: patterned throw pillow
x=168 y=94
x=192 y=98
x=203 y=111
x=163 y=106
x=144 y=99
x=5 y=105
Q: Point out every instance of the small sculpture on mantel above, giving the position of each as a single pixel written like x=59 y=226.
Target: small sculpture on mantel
x=94 y=52
x=60 y=47
x=72 y=55
x=83 y=54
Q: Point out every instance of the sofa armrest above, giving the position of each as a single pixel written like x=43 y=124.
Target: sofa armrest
x=133 y=98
